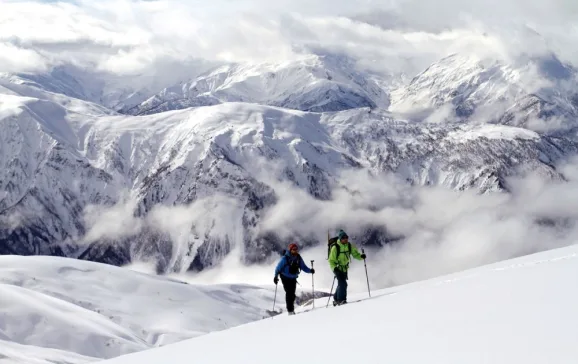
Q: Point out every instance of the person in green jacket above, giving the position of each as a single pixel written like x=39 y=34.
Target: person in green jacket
x=339 y=257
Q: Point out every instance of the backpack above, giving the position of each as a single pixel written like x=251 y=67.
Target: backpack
x=294 y=266
x=333 y=242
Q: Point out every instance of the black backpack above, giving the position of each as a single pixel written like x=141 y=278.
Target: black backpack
x=294 y=265
x=333 y=242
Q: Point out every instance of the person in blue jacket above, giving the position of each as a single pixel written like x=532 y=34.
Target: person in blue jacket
x=289 y=267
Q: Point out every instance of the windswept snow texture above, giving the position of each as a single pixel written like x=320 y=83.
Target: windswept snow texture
x=516 y=311
x=75 y=311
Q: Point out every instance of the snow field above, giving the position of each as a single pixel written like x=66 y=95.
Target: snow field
x=94 y=310
x=517 y=311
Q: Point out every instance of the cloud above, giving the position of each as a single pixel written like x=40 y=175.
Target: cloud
x=131 y=37
x=440 y=231
x=16 y=59
x=11 y=222
x=217 y=216
x=116 y=222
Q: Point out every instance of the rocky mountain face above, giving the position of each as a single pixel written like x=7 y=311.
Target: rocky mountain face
x=187 y=176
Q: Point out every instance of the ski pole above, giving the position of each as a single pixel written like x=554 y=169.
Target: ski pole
x=275 y=299
x=366 y=276
x=313 y=284
x=330 y=292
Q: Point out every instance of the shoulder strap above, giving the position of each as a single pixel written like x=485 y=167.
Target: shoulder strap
x=339 y=250
x=297 y=259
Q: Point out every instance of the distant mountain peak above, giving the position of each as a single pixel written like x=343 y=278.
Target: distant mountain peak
x=316 y=83
x=468 y=87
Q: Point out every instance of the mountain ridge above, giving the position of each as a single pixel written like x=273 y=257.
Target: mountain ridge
x=94 y=160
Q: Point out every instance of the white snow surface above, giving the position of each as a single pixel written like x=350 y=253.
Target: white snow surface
x=73 y=311
x=13 y=353
x=470 y=88
x=314 y=83
x=516 y=311
x=490 y=131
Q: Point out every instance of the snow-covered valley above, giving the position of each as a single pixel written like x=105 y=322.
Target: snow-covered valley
x=63 y=310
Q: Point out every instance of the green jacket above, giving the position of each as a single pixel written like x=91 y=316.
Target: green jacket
x=342 y=261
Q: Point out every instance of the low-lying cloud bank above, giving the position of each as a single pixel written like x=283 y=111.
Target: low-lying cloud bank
x=436 y=231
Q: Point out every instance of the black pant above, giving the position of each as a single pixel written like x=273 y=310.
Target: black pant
x=341 y=290
x=289 y=285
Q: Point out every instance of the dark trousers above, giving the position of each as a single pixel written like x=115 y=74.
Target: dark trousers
x=341 y=290
x=289 y=285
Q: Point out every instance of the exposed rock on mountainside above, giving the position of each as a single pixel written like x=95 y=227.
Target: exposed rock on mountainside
x=79 y=179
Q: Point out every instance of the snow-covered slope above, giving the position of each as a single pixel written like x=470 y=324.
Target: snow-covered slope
x=18 y=86
x=466 y=87
x=109 y=90
x=13 y=353
x=75 y=311
x=516 y=311
x=60 y=166
x=316 y=83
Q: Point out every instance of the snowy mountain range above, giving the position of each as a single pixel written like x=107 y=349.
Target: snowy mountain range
x=468 y=88
x=115 y=174
x=317 y=83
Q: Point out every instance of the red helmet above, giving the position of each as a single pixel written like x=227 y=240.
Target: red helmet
x=293 y=246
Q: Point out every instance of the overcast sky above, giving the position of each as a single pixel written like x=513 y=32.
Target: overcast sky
x=125 y=36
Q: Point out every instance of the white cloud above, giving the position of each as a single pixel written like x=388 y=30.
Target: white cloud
x=405 y=35
x=444 y=231
x=15 y=59
x=116 y=222
x=186 y=226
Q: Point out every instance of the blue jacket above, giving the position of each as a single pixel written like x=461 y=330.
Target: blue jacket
x=286 y=260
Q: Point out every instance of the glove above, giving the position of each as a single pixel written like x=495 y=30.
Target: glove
x=276 y=280
x=312 y=271
x=363 y=256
